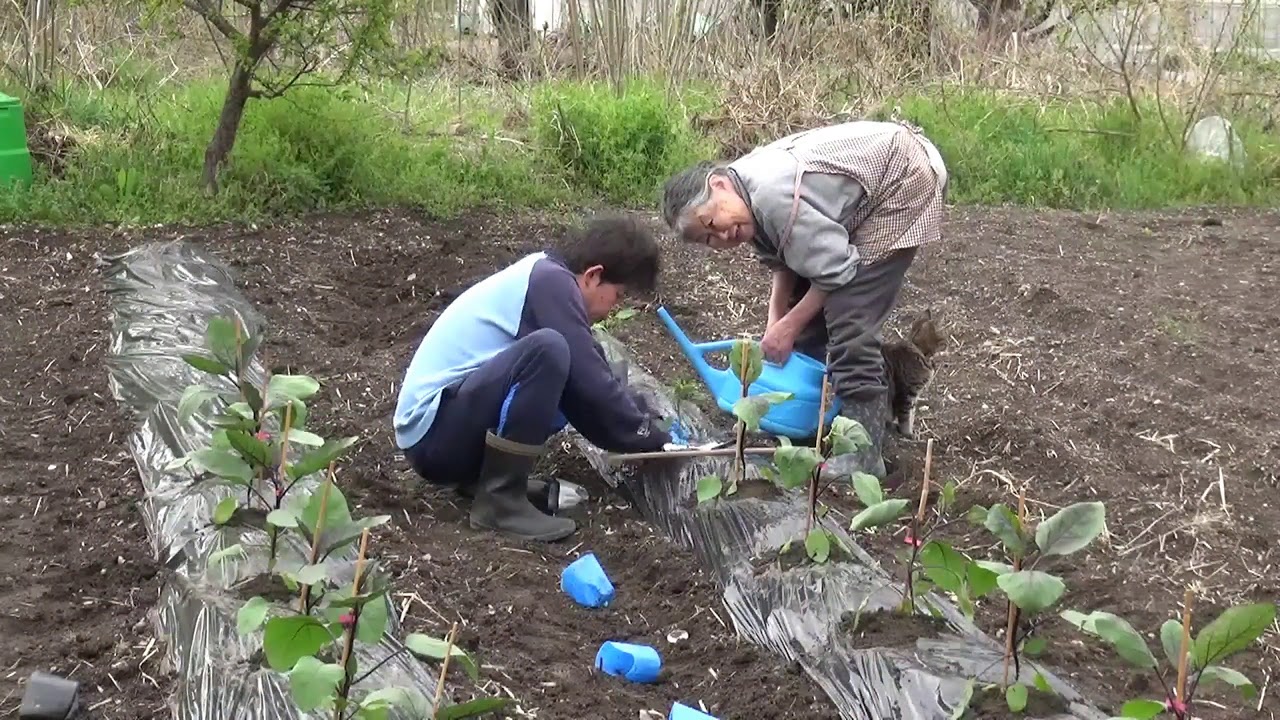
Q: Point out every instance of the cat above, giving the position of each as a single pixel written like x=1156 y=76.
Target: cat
x=909 y=368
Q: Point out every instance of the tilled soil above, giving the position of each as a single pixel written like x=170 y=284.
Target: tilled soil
x=1127 y=359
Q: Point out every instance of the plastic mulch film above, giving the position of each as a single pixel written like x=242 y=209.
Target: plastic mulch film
x=797 y=612
x=163 y=296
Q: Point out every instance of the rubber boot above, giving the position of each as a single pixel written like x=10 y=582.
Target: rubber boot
x=502 y=494
x=872 y=414
x=544 y=494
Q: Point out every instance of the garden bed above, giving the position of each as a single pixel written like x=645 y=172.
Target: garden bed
x=1103 y=361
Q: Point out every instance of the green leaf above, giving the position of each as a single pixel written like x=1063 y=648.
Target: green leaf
x=302 y=437
x=220 y=338
x=289 y=638
x=947 y=497
x=425 y=646
x=1128 y=643
x=867 y=487
x=981 y=579
x=348 y=533
x=372 y=622
x=192 y=399
x=746 y=357
x=253 y=400
x=223 y=463
x=250 y=448
x=206 y=364
x=818 y=545
x=223 y=511
x=753 y=408
x=319 y=459
x=1004 y=524
x=1040 y=681
x=1234 y=630
x=1016 y=697
x=413 y=702
x=226 y=552
x=1233 y=678
x=336 y=513
x=1142 y=709
x=314 y=684
x=1071 y=528
x=795 y=464
x=996 y=568
x=945 y=566
x=1171 y=641
x=847 y=436
x=251 y=615
x=309 y=574
x=966 y=697
x=344 y=599
x=283 y=388
x=977 y=515
x=709 y=488
x=472 y=708
x=878 y=514
x=283 y=518
x=1031 y=590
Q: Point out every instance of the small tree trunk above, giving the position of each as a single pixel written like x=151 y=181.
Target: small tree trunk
x=224 y=135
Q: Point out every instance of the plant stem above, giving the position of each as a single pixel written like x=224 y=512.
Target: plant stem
x=817 y=445
x=380 y=663
x=275 y=480
x=924 y=484
x=1011 y=647
x=304 y=603
x=1184 y=651
x=740 y=461
x=917 y=521
x=444 y=668
x=350 y=639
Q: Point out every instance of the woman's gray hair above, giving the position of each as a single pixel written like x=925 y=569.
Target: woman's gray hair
x=686 y=191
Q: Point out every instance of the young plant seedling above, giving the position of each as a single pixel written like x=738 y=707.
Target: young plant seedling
x=243 y=451
x=1030 y=591
x=1192 y=662
x=316 y=650
x=746 y=360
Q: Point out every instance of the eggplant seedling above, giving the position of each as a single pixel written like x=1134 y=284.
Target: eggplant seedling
x=1191 y=661
x=254 y=431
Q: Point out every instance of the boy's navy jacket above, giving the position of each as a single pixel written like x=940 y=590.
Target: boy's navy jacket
x=535 y=292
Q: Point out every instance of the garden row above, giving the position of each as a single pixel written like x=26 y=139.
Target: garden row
x=793 y=576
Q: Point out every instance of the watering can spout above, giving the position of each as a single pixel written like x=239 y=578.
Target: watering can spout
x=694 y=352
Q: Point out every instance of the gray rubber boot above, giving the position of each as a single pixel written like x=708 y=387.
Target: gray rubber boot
x=502 y=494
x=873 y=415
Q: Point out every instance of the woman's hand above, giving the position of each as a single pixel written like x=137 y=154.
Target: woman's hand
x=778 y=340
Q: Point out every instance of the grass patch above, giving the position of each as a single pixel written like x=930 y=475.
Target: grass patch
x=139 y=146
x=1004 y=150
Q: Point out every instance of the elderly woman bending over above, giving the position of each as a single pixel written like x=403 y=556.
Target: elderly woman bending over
x=837 y=214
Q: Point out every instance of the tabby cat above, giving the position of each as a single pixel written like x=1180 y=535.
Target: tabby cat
x=909 y=367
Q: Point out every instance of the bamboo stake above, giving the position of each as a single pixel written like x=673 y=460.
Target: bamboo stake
x=315 y=541
x=444 y=668
x=618 y=458
x=1185 y=649
x=924 y=484
x=817 y=445
x=355 y=590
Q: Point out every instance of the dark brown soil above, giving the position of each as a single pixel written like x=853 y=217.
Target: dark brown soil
x=992 y=704
x=890 y=628
x=1129 y=361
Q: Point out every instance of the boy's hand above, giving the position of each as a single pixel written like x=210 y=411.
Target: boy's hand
x=778 y=341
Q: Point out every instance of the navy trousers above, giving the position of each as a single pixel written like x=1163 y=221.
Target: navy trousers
x=516 y=395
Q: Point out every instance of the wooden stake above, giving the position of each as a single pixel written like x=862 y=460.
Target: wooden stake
x=618 y=458
x=355 y=590
x=315 y=541
x=1185 y=650
x=444 y=668
x=1011 y=625
x=924 y=484
x=817 y=445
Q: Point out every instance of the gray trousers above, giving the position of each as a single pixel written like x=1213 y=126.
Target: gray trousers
x=851 y=325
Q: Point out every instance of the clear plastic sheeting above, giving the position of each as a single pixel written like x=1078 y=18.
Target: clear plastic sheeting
x=163 y=296
x=797 y=612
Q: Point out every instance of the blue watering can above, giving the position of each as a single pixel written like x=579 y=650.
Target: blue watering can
x=796 y=418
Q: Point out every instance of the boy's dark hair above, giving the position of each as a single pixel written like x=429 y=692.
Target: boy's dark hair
x=625 y=248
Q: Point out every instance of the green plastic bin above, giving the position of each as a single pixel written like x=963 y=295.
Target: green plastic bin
x=15 y=158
